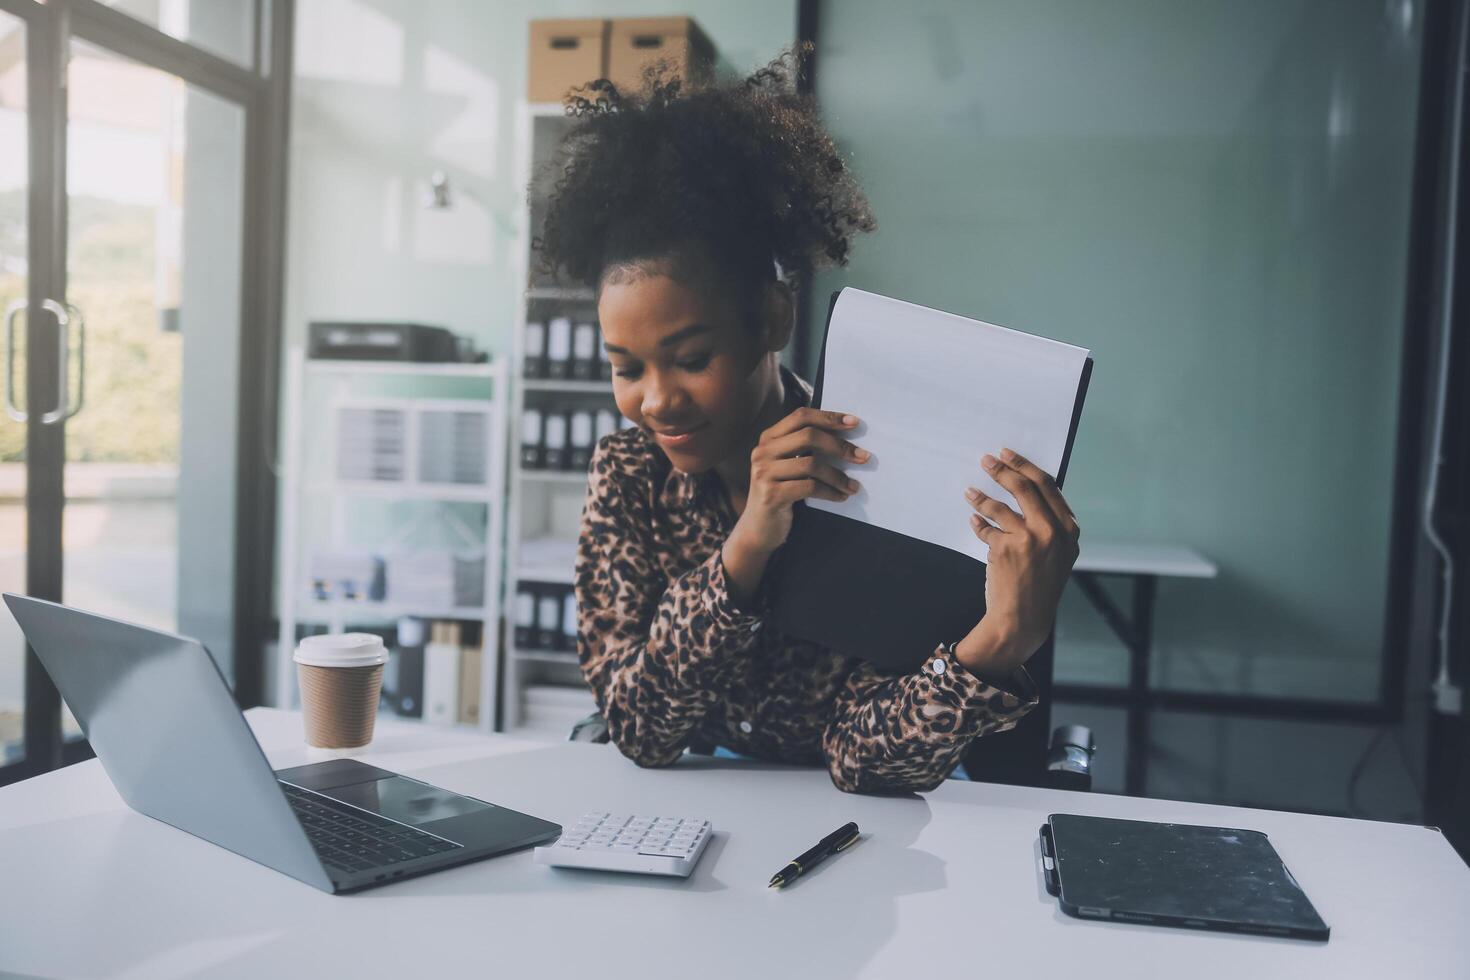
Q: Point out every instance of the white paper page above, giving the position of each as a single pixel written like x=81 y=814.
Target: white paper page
x=935 y=392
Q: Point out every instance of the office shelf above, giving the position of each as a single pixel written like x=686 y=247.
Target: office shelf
x=325 y=509
x=552 y=574
x=362 y=610
x=566 y=386
x=408 y=368
x=571 y=294
x=447 y=492
x=555 y=476
x=546 y=656
x=543 y=505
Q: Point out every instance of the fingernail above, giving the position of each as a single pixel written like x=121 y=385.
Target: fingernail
x=849 y=420
x=1008 y=455
x=972 y=493
x=975 y=520
x=861 y=455
x=989 y=462
x=854 y=486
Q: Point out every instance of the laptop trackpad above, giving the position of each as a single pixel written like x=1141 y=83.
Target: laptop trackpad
x=406 y=800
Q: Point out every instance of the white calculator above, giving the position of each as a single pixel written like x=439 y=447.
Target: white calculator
x=630 y=842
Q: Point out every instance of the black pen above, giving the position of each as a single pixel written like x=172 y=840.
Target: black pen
x=840 y=839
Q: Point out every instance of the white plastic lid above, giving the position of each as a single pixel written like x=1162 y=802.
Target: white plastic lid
x=342 y=650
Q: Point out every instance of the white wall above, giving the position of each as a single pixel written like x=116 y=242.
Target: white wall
x=1213 y=196
x=386 y=93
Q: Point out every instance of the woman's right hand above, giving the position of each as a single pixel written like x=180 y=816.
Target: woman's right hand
x=787 y=465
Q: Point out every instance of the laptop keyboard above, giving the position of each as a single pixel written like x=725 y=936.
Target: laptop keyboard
x=349 y=840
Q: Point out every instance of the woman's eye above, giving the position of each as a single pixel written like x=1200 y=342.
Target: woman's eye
x=695 y=363
x=627 y=373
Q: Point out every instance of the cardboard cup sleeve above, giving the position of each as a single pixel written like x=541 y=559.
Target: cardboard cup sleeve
x=339 y=704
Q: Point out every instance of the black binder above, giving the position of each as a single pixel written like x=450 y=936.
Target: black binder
x=875 y=593
x=1169 y=874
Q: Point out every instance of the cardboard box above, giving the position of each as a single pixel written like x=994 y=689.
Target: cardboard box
x=636 y=41
x=565 y=55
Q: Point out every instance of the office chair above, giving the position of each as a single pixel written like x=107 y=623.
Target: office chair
x=1020 y=757
x=1023 y=756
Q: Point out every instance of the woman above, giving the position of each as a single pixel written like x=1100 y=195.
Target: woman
x=692 y=214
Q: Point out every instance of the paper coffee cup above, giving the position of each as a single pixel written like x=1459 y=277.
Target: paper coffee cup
x=340 y=675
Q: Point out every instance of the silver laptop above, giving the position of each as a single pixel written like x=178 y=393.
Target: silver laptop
x=161 y=719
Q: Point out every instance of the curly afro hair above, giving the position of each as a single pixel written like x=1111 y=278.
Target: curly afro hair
x=737 y=179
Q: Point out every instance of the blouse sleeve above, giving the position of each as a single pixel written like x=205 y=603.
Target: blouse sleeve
x=656 y=653
x=893 y=733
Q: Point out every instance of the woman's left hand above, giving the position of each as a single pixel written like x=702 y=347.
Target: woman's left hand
x=1031 y=556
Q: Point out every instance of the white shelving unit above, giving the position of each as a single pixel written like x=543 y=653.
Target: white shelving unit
x=323 y=388
x=544 y=506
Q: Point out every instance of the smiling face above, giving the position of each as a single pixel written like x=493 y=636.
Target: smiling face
x=686 y=368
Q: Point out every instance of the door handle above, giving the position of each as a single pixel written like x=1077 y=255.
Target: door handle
x=81 y=322
x=10 y=314
x=65 y=314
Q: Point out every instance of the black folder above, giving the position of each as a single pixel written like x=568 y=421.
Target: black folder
x=1218 y=878
x=874 y=593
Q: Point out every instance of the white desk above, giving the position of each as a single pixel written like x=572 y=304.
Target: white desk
x=943 y=886
x=1121 y=558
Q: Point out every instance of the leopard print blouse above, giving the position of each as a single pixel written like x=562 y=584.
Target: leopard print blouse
x=672 y=659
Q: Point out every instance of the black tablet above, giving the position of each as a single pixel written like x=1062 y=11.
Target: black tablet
x=1172 y=874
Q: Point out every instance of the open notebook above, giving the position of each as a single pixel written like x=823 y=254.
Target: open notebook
x=895 y=569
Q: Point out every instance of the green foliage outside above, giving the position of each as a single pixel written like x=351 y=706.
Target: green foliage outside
x=131 y=414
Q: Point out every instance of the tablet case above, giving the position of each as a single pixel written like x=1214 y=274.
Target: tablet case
x=1218 y=878
x=874 y=593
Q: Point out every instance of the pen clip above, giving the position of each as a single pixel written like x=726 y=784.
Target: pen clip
x=849 y=842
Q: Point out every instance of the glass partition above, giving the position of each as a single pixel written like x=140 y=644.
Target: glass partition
x=1214 y=198
x=222 y=27
x=14 y=280
x=154 y=180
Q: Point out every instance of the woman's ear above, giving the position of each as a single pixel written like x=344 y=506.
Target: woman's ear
x=780 y=316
